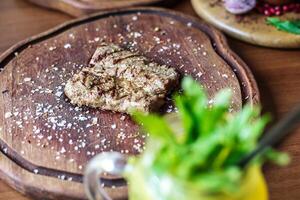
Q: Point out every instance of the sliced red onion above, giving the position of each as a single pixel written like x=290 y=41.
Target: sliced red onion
x=239 y=6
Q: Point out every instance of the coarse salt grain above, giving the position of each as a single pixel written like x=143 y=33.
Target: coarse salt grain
x=37 y=131
x=7 y=115
x=62 y=177
x=113 y=126
x=136 y=34
x=199 y=74
x=224 y=75
x=27 y=79
x=71 y=35
x=123 y=117
x=52 y=48
x=134 y=18
x=63 y=150
x=67 y=46
x=94 y=120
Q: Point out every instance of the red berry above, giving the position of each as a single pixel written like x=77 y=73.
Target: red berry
x=277 y=13
x=270 y=10
x=267 y=13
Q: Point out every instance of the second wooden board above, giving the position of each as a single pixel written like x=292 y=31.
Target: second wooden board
x=251 y=27
x=84 y=7
x=46 y=141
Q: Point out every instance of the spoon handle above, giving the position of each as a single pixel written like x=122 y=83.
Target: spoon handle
x=113 y=163
x=274 y=135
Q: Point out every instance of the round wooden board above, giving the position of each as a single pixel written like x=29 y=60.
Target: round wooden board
x=46 y=142
x=251 y=28
x=84 y=7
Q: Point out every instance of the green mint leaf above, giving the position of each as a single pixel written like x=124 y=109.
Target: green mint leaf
x=155 y=125
x=191 y=106
x=288 y=26
x=279 y=158
x=187 y=118
x=222 y=99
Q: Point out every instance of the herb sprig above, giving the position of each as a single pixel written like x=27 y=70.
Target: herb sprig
x=213 y=140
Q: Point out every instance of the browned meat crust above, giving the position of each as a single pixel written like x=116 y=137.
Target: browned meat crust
x=121 y=80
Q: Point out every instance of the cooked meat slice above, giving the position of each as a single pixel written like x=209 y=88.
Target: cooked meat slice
x=121 y=80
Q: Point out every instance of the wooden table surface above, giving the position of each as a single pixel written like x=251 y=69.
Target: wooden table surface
x=276 y=71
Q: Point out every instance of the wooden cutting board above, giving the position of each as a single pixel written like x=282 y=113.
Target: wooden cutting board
x=250 y=28
x=84 y=7
x=45 y=141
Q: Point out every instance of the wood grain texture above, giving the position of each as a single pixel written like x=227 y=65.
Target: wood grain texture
x=47 y=136
x=84 y=7
x=276 y=71
x=251 y=27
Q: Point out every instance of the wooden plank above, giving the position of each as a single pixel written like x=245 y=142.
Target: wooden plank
x=35 y=70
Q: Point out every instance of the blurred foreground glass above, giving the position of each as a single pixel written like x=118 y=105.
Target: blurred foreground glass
x=146 y=185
